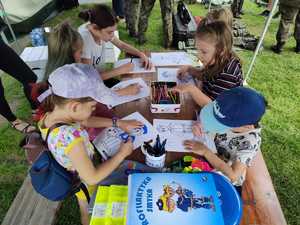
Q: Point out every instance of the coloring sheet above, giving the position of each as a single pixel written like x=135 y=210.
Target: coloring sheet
x=177 y=131
x=170 y=74
x=171 y=58
x=117 y=100
x=143 y=134
x=109 y=140
x=138 y=67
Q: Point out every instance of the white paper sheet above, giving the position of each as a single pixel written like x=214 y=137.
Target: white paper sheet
x=176 y=132
x=117 y=100
x=145 y=134
x=170 y=74
x=109 y=140
x=138 y=67
x=171 y=58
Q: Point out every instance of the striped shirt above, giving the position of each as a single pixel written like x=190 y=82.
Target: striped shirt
x=230 y=77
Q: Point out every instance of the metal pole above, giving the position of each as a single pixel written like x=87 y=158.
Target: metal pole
x=9 y=26
x=209 y=6
x=267 y=24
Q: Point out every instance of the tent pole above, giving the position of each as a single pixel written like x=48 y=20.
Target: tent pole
x=209 y=6
x=267 y=24
x=9 y=26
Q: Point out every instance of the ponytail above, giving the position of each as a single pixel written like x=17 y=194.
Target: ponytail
x=101 y=15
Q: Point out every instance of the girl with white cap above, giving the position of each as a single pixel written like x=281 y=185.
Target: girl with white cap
x=73 y=93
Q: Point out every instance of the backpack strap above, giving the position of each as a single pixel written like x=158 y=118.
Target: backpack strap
x=52 y=128
x=85 y=191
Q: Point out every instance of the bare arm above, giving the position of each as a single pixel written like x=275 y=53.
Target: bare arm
x=85 y=168
x=126 y=125
x=124 y=69
x=199 y=97
x=127 y=48
x=113 y=72
x=232 y=172
x=132 y=50
x=95 y=122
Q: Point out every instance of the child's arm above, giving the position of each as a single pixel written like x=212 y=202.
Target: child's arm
x=232 y=172
x=126 y=125
x=188 y=70
x=84 y=166
x=132 y=50
x=124 y=69
x=199 y=97
x=131 y=89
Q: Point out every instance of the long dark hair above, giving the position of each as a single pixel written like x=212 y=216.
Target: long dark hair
x=220 y=34
x=101 y=15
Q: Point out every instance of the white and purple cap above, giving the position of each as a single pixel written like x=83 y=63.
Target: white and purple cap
x=236 y=107
x=77 y=81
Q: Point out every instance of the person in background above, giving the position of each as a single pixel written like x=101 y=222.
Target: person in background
x=118 y=6
x=146 y=7
x=132 y=9
x=74 y=93
x=267 y=11
x=290 y=13
x=222 y=14
x=99 y=30
x=234 y=119
x=236 y=8
x=221 y=68
x=13 y=65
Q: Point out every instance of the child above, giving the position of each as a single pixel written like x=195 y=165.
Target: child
x=99 y=30
x=222 y=14
x=65 y=47
x=71 y=99
x=234 y=117
x=221 y=67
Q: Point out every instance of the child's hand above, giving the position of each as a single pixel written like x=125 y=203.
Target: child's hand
x=129 y=125
x=146 y=62
x=131 y=89
x=183 y=88
x=183 y=72
x=126 y=148
x=196 y=147
x=197 y=129
x=126 y=68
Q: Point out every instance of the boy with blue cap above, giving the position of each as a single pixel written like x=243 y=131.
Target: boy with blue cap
x=234 y=117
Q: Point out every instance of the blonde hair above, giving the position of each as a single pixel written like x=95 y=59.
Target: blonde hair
x=63 y=42
x=222 y=14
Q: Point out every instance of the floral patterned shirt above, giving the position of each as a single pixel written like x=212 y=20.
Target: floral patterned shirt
x=62 y=140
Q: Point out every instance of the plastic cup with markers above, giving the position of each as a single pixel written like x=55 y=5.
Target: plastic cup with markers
x=155 y=152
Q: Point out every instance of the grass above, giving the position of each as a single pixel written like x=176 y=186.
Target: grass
x=276 y=76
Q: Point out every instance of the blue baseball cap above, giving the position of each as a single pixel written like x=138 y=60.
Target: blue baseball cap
x=236 y=107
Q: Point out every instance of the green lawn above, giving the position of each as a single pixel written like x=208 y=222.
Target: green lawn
x=277 y=76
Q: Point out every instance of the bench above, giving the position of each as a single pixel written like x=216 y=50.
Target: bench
x=261 y=205
x=30 y=208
